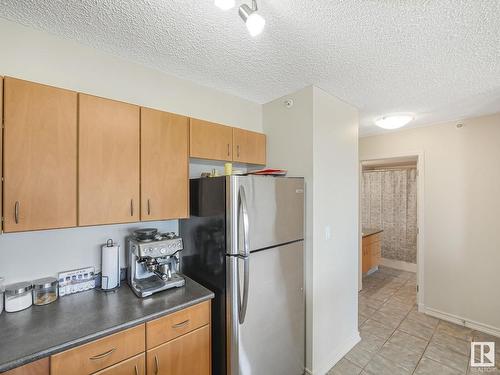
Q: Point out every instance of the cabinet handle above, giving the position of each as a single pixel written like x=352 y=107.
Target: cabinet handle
x=16 y=212
x=181 y=324
x=228 y=149
x=238 y=150
x=131 y=207
x=157 y=364
x=136 y=370
x=105 y=354
x=149 y=207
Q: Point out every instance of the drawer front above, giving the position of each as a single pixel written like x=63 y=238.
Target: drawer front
x=132 y=366
x=40 y=367
x=99 y=354
x=185 y=355
x=179 y=323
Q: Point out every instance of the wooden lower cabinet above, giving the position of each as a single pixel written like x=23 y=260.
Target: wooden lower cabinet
x=187 y=354
x=133 y=366
x=371 y=252
x=40 y=367
x=178 y=344
x=169 y=327
x=100 y=354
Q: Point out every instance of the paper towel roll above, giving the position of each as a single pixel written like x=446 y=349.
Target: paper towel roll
x=110 y=265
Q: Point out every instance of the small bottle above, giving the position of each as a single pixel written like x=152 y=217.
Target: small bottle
x=228 y=169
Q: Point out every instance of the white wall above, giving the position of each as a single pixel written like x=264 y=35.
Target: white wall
x=44 y=58
x=31 y=255
x=461 y=206
x=317 y=138
x=335 y=146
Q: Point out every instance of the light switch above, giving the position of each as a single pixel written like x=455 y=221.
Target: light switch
x=328 y=232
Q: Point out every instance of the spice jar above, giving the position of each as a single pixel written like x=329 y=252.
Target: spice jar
x=45 y=290
x=18 y=296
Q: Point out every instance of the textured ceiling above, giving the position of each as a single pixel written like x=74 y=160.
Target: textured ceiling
x=439 y=59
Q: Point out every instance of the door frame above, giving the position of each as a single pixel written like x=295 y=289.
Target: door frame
x=420 y=216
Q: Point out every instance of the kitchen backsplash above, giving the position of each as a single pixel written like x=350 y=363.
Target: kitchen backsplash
x=30 y=255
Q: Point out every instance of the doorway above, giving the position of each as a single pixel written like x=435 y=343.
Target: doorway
x=390 y=217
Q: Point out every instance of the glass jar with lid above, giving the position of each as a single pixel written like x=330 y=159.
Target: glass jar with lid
x=18 y=296
x=45 y=290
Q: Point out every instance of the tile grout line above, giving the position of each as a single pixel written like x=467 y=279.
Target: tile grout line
x=426 y=346
x=392 y=334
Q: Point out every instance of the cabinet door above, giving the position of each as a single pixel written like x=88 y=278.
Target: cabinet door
x=188 y=354
x=40 y=367
x=40 y=151
x=249 y=147
x=210 y=141
x=164 y=165
x=375 y=248
x=108 y=161
x=367 y=261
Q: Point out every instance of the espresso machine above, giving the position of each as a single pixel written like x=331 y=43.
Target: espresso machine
x=153 y=261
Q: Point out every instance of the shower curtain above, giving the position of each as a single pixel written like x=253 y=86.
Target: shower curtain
x=389 y=202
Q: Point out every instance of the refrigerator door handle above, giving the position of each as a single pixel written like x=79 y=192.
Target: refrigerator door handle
x=243 y=301
x=244 y=211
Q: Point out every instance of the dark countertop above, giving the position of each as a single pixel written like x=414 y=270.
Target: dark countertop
x=370 y=231
x=40 y=331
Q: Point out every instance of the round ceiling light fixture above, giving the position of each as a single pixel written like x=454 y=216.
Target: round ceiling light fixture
x=254 y=21
x=224 y=4
x=394 y=121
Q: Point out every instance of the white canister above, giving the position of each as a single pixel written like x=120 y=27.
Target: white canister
x=110 y=265
x=18 y=296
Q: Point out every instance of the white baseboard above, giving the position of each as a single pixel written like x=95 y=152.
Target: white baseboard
x=398 y=264
x=494 y=331
x=336 y=355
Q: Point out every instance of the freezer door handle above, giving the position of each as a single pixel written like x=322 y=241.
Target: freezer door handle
x=243 y=300
x=245 y=256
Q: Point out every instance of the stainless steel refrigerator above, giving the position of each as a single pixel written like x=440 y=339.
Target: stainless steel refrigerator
x=244 y=241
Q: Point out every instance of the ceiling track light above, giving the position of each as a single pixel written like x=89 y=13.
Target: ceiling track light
x=254 y=21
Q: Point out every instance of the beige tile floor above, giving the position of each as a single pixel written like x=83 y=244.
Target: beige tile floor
x=397 y=339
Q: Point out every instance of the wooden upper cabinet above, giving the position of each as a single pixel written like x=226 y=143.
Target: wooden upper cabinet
x=108 y=161
x=249 y=147
x=40 y=156
x=164 y=165
x=210 y=141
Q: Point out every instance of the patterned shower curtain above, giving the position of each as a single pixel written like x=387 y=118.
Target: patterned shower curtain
x=389 y=202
